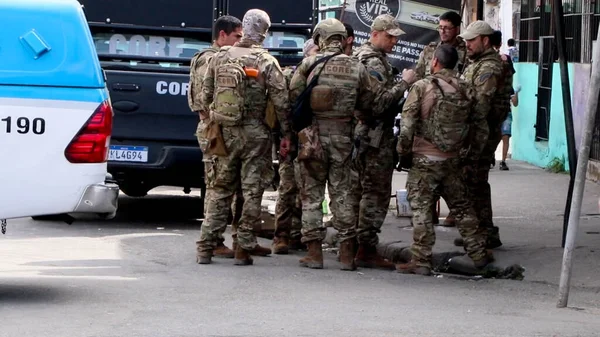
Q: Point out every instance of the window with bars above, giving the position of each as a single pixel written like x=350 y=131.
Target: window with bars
x=536 y=35
x=537 y=22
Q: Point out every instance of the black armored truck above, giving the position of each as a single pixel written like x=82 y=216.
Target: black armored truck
x=145 y=48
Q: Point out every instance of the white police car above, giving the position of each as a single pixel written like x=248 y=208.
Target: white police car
x=55 y=113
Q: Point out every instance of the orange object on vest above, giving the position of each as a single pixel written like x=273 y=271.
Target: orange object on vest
x=251 y=72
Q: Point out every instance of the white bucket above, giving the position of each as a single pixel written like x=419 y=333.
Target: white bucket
x=402 y=205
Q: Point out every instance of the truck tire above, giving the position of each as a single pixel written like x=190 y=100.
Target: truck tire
x=133 y=190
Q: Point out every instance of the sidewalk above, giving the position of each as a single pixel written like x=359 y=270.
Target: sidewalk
x=528 y=207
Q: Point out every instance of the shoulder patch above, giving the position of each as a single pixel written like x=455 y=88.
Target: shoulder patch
x=278 y=77
x=483 y=78
x=376 y=75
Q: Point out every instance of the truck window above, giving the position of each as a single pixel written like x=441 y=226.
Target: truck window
x=284 y=40
x=108 y=44
x=114 y=44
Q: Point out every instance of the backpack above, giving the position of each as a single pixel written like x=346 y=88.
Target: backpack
x=231 y=79
x=447 y=126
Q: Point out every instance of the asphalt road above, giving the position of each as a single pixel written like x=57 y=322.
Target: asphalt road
x=137 y=276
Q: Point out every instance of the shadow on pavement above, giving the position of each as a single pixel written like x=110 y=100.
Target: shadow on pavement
x=29 y=293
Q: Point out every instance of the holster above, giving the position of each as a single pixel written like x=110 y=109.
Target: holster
x=309 y=144
x=214 y=136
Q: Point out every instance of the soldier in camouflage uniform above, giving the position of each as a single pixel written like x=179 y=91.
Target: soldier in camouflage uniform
x=344 y=92
x=485 y=74
x=288 y=210
x=449 y=27
x=228 y=30
x=238 y=82
x=437 y=117
x=375 y=170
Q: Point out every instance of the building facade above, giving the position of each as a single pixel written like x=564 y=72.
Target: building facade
x=539 y=133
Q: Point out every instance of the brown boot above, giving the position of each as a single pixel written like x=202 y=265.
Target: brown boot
x=204 y=257
x=234 y=246
x=413 y=268
x=347 y=253
x=314 y=256
x=280 y=245
x=223 y=251
x=260 y=251
x=367 y=257
x=242 y=257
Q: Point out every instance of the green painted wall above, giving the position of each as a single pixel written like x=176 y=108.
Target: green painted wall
x=524 y=145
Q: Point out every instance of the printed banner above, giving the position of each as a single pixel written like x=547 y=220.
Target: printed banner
x=419 y=19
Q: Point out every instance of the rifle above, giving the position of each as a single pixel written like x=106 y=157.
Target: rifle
x=362 y=141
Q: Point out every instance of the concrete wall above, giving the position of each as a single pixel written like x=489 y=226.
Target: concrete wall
x=525 y=147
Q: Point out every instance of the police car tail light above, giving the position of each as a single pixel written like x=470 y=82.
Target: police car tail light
x=90 y=145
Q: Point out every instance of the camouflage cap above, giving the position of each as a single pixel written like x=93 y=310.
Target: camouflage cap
x=476 y=29
x=387 y=23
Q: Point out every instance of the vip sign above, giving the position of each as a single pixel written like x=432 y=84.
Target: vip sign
x=418 y=19
x=368 y=10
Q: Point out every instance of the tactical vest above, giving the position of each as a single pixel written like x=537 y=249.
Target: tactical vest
x=336 y=92
x=240 y=91
x=498 y=113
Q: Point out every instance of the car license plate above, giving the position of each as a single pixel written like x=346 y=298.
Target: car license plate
x=128 y=153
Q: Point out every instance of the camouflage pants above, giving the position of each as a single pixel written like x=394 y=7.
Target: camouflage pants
x=248 y=163
x=479 y=186
x=238 y=200
x=288 y=209
x=373 y=190
x=426 y=182
x=333 y=170
x=481 y=195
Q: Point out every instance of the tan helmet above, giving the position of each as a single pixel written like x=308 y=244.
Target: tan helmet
x=328 y=28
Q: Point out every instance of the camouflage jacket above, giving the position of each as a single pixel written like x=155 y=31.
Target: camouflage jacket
x=421 y=99
x=485 y=74
x=382 y=77
x=344 y=88
x=423 y=64
x=269 y=86
x=198 y=67
x=288 y=72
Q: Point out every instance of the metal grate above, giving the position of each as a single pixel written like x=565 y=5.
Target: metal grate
x=537 y=20
x=529 y=31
